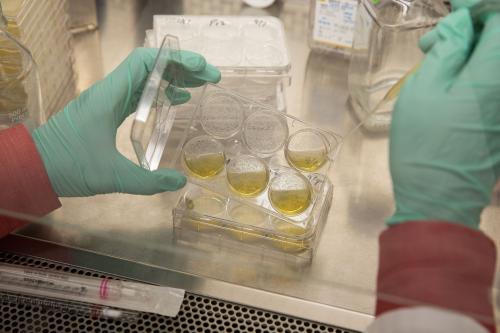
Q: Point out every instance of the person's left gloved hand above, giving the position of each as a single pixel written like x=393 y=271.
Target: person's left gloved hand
x=78 y=146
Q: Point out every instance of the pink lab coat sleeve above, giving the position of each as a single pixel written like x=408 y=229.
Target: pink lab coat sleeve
x=24 y=184
x=437 y=263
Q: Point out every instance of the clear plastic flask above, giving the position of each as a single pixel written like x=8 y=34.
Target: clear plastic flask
x=20 y=95
x=385 y=49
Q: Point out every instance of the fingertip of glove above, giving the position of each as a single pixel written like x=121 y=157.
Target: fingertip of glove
x=427 y=41
x=181 y=182
x=193 y=61
x=216 y=77
x=448 y=46
x=170 y=179
x=213 y=74
x=177 y=95
x=458 y=24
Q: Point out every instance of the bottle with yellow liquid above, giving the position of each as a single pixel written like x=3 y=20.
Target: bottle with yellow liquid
x=20 y=96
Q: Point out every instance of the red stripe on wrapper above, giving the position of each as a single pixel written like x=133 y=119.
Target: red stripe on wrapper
x=103 y=290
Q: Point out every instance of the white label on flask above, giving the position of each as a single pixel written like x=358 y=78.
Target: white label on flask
x=334 y=22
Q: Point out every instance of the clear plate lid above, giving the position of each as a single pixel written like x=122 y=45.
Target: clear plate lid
x=153 y=119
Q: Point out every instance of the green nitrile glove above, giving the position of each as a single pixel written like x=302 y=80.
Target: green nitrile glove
x=78 y=146
x=445 y=133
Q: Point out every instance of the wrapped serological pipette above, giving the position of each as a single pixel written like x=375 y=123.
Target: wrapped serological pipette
x=126 y=295
x=90 y=310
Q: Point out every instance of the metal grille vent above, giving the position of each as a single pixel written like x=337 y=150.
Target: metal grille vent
x=197 y=314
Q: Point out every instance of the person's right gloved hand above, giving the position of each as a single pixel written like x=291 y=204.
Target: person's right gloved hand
x=78 y=147
x=445 y=133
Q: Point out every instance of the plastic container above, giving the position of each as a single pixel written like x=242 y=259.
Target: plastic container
x=20 y=100
x=385 y=50
x=331 y=25
x=233 y=146
x=208 y=221
x=251 y=52
x=33 y=19
x=252 y=46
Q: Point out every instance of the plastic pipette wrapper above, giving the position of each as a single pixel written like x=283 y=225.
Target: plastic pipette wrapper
x=135 y=296
x=91 y=310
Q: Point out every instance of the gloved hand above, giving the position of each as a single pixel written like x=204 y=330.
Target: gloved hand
x=445 y=133
x=78 y=146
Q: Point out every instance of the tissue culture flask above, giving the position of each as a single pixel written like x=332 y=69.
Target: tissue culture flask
x=20 y=94
x=385 y=48
x=204 y=156
x=247 y=175
x=290 y=193
x=307 y=150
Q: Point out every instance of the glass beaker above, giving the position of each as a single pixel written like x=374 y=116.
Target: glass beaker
x=20 y=95
x=386 y=48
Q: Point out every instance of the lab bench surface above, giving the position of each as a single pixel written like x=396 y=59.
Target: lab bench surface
x=132 y=236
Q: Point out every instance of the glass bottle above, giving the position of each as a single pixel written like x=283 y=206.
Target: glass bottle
x=385 y=49
x=20 y=95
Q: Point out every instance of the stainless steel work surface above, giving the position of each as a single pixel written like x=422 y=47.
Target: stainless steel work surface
x=337 y=287
x=21 y=313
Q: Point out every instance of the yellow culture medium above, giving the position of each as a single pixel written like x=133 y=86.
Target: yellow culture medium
x=204 y=156
x=307 y=150
x=205 y=166
x=310 y=160
x=290 y=193
x=247 y=175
